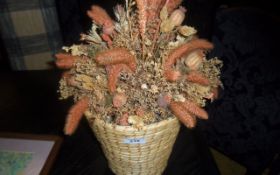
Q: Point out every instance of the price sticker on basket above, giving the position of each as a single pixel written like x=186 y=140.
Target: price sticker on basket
x=134 y=140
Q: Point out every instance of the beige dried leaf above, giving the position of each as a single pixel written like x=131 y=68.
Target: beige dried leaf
x=166 y=26
x=164 y=14
x=83 y=78
x=88 y=86
x=187 y=31
x=148 y=42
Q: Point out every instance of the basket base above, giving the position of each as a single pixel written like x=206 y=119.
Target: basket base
x=133 y=151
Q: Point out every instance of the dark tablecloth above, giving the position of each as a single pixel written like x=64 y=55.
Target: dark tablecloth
x=29 y=104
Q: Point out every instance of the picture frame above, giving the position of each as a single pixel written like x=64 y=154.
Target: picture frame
x=30 y=154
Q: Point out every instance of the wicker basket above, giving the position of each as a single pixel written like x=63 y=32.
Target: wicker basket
x=132 y=151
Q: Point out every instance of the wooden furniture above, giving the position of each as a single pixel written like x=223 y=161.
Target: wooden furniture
x=33 y=139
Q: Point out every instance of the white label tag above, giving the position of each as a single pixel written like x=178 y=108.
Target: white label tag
x=134 y=141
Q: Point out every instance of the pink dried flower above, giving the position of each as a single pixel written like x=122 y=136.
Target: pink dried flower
x=164 y=100
x=65 y=61
x=119 y=100
x=214 y=94
x=101 y=17
x=142 y=16
x=172 y=4
x=70 y=80
x=154 y=7
x=194 y=109
x=172 y=75
x=123 y=120
x=66 y=74
x=116 y=56
x=186 y=48
x=140 y=111
x=182 y=114
x=113 y=74
x=74 y=116
x=198 y=78
x=107 y=39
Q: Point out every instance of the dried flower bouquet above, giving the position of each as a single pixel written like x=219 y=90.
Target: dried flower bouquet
x=140 y=68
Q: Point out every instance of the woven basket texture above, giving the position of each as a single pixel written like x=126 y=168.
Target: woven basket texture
x=132 y=151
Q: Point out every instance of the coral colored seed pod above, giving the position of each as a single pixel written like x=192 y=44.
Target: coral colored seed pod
x=119 y=100
x=123 y=120
x=177 y=17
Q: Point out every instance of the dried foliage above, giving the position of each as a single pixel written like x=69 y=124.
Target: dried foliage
x=133 y=72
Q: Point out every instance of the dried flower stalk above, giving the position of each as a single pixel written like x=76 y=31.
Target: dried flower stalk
x=197 y=77
x=194 y=109
x=182 y=114
x=75 y=114
x=65 y=61
x=172 y=75
x=154 y=7
x=116 y=56
x=113 y=74
x=101 y=17
x=184 y=49
x=142 y=16
x=172 y=4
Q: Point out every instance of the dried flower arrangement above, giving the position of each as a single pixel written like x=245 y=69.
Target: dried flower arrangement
x=141 y=68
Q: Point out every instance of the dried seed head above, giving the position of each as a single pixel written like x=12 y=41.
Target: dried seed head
x=194 y=59
x=177 y=17
x=187 y=31
x=164 y=100
x=167 y=26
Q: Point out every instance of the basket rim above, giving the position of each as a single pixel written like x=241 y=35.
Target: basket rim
x=131 y=128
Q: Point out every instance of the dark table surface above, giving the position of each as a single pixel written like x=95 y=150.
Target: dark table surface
x=29 y=104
